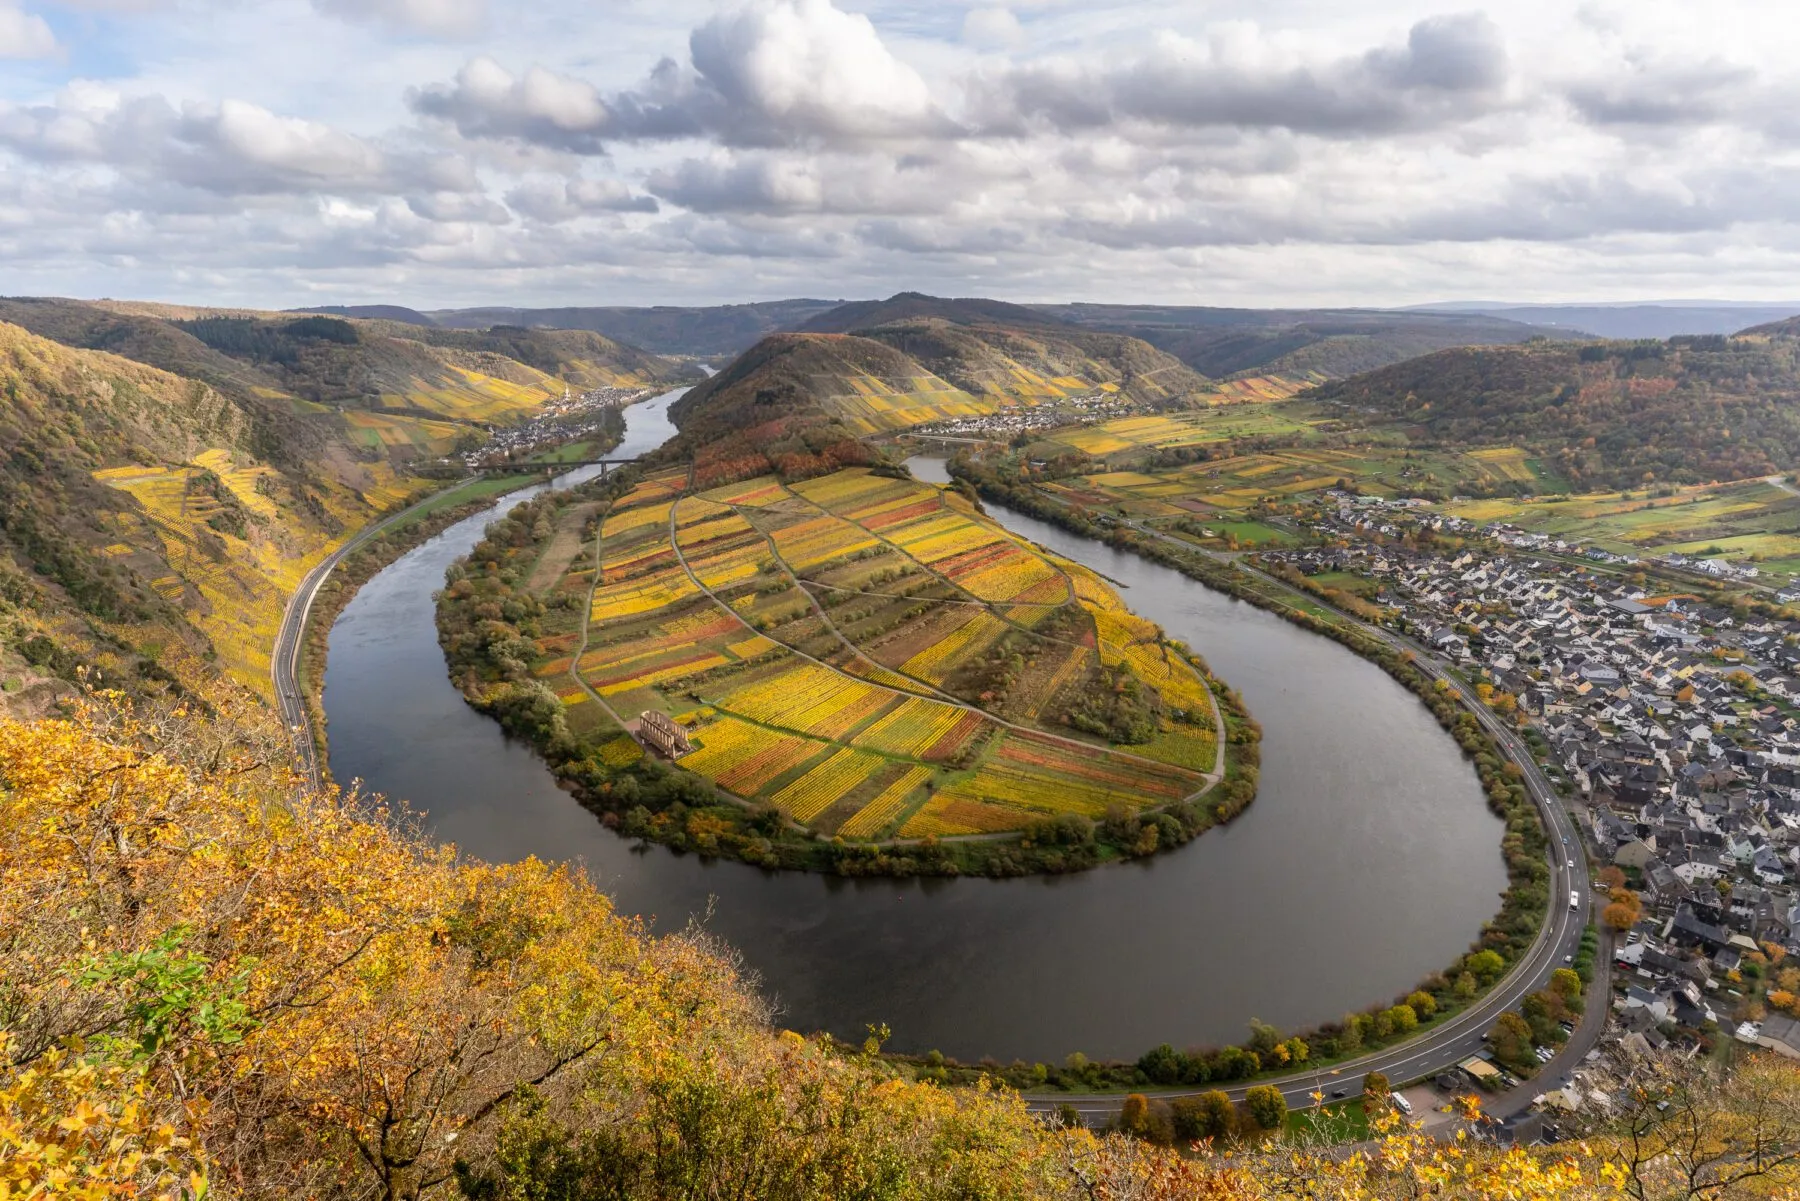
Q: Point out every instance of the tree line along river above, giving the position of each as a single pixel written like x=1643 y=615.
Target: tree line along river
x=1368 y=859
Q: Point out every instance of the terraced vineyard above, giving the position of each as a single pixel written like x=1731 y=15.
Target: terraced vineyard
x=876 y=660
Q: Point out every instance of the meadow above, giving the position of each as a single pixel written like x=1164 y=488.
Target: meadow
x=1750 y=520
x=876 y=660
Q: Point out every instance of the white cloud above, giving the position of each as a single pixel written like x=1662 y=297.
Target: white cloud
x=436 y=18
x=553 y=201
x=992 y=28
x=229 y=148
x=1244 y=150
x=803 y=68
x=540 y=106
x=23 y=34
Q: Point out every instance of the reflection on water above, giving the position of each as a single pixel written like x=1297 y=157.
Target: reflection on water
x=1367 y=860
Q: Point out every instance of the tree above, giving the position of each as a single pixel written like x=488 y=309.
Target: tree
x=1692 y=1129
x=1466 y=986
x=1422 y=1004
x=1377 y=1093
x=1209 y=1115
x=1511 y=1040
x=1565 y=983
x=1619 y=916
x=1403 y=1019
x=1486 y=965
x=1266 y=1106
x=1612 y=877
x=1134 y=1115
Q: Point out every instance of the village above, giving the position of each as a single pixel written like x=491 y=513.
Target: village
x=1009 y=421
x=1668 y=726
x=574 y=416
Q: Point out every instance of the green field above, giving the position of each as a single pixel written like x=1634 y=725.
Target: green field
x=1128 y=437
x=1752 y=520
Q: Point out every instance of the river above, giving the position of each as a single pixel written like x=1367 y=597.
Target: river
x=1367 y=860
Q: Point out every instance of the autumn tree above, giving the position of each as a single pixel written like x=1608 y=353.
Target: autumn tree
x=1511 y=1040
x=1266 y=1106
x=1377 y=1093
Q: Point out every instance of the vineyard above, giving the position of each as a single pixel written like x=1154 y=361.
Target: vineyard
x=873 y=659
x=228 y=531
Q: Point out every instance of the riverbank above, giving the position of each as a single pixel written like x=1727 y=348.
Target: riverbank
x=360 y=566
x=1507 y=939
x=1367 y=858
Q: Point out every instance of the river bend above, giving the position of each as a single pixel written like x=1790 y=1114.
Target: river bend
x=1367 y=860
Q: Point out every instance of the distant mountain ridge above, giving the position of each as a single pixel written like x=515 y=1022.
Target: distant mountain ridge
x=707 y=330
x=1662 y=319
x=1221 y=343
x=1216 y=342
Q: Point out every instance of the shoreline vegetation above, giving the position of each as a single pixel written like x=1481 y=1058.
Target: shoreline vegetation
x=1441 y=995
x=515 y=640
x=363 y=565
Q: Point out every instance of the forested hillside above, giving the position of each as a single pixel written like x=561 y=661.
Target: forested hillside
x=145 y=531
x=168 y=476
x=724 y=329
x=392 y=389
x=1605 y=415
x=1333 y=342
x=810 y=397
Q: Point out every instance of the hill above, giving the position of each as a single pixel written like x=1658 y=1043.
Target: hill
x=711 y=330
x=370 y=312
x=861 y=315
x=147 y=531
x=1331 y=342
x=393 y=389
x=1787 y=327
x=816 y=395
x=1614 y=415
x=1656 y=319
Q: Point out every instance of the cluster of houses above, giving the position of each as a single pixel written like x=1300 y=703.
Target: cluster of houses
x=1670 y=724
x=574 y=415
x=1009 y=421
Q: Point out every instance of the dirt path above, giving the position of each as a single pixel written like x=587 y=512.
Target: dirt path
x=563 y=548
x=1211 y=778
x=587 y=624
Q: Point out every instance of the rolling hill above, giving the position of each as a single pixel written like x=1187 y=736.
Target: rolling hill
x=1607 y=414
x=1652 y=319
x=811 y=396
x=1285 y=342
x=144 y=531
x=397 y=390
x=710 y=330
x=168 y=475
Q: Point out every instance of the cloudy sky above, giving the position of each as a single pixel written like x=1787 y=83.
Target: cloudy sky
x=451 y=152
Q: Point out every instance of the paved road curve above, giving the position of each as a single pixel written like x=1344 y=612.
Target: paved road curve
x=1445 y=1045
x=284 y=667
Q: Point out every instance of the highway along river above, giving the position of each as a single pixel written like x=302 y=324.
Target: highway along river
x=1368 y=859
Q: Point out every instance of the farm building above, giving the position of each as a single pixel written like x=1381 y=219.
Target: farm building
x=662 y=735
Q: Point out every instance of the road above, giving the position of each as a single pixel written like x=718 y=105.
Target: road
x=284 y=667
x=1459 y=1037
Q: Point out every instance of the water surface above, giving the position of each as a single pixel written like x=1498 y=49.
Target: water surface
x=1368 y=859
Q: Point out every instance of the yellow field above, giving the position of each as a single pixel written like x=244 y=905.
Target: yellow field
x=838 y=725
x=235 y=588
